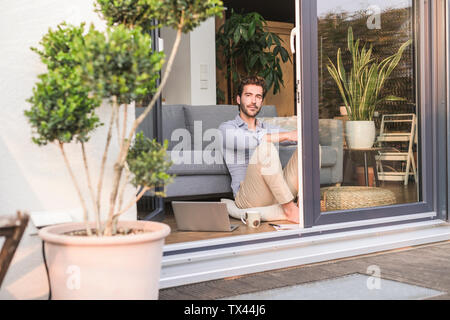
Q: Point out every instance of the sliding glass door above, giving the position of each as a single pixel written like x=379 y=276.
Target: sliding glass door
x=368 y=109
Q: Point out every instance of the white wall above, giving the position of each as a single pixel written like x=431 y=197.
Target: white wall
x=203 y=56
x=178 y=88
x=35 y=178
x=193 y=77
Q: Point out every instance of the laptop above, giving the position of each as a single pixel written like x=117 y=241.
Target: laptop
x=202 y=216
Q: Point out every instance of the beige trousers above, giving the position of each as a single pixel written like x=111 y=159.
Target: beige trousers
x=266 y=183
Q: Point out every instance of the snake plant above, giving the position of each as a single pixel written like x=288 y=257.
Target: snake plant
x=361 y=87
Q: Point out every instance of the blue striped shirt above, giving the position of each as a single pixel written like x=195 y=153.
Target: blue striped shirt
x=239 y=143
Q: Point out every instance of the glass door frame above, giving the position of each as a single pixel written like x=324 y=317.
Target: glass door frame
x=435 y=198
x=429 y=22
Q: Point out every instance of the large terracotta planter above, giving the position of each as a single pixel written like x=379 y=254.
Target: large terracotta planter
x=360 y=134
x=119 y=267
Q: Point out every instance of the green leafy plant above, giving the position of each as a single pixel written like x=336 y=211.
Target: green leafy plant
x=360 y=89
x=181 y=15
x=146 y=160
x=120 y=63
x=62 y=108
x=118 y=67
x=250 y=50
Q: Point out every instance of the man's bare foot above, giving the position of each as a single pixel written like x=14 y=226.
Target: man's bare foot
x=291 y=211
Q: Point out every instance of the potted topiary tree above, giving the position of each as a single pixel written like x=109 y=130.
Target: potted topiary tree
x=104 y=258
x=360 y=89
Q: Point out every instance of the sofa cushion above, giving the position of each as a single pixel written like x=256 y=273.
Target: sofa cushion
x=205 y=118
x=211 y=116
x=184 y=186
x=196 y=162
x=173 y=118
x=286 y=153
x=287 y=123
x=330 y=132
x=328 y=156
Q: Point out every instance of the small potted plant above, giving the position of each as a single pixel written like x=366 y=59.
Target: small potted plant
x=104 y=258
x=360 y=89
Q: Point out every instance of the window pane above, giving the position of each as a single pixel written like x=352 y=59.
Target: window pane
x=368 y=106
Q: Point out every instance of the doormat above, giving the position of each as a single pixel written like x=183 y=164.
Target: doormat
x=351 y=287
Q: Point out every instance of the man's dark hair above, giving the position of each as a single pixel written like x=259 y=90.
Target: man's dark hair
x=252 y=80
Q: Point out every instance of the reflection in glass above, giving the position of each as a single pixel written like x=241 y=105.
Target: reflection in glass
x=367 y=72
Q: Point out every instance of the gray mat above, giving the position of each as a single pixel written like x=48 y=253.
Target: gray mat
x=351 y=287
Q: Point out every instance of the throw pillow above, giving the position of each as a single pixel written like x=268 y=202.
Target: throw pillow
x=269 y=213
x=288 y=123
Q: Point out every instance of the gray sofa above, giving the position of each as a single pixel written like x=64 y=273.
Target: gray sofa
x=200 y=179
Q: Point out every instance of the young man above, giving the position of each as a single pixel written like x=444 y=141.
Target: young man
x=257 y=178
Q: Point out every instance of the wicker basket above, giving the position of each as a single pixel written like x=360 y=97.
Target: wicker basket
x=344 y=198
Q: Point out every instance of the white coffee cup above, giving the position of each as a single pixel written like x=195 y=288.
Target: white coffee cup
x=252 y=218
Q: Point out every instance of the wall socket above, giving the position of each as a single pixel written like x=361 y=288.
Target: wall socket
x=203 y=76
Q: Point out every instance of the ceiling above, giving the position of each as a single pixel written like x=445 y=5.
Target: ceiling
x=280 y=10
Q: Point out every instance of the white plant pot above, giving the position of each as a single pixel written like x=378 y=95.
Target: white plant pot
x=360 y=134
x=119 y=267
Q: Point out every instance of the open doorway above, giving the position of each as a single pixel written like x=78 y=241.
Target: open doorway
x=188 y=98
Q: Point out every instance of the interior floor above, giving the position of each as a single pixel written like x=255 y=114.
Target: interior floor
x=177 y=236
x=404 y=194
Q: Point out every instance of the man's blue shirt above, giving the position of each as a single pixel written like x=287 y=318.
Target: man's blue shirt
x=239 y=143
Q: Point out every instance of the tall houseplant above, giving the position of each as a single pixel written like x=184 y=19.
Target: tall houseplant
x=250 y=50
x=86 y=68
x=361 y=88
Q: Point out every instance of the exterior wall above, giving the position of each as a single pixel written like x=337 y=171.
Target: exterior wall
x=35 y=178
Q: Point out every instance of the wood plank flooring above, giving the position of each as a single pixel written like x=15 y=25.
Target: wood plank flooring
x=403 y=194
x=177 y=236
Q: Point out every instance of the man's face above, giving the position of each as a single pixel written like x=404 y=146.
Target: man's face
x=250 y=101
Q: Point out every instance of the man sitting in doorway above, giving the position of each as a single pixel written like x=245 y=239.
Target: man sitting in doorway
x=257 y=177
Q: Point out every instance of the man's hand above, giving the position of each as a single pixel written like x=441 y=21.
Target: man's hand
x=282 y=136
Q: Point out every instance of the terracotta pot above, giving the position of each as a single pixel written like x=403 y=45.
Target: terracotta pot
x=119 y=267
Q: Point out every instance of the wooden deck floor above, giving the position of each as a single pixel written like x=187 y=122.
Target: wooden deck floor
x=425 y=266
